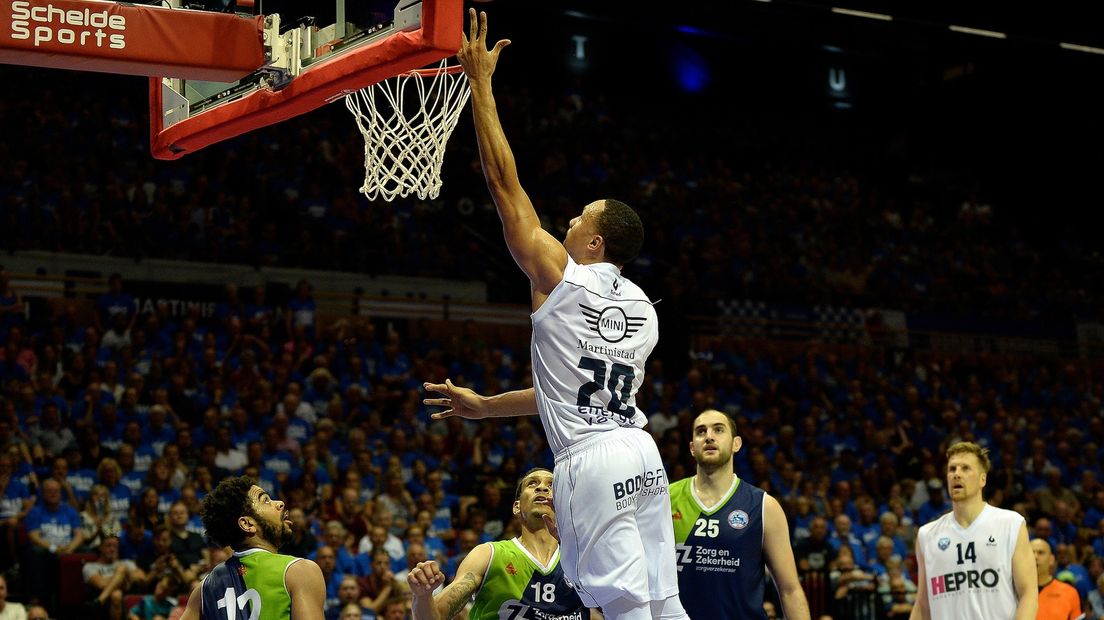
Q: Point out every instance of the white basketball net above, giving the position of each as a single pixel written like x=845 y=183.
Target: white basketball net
x=404 y=150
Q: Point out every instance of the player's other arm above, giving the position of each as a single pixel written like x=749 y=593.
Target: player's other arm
x=539 y=255
x=307 y=588
x=426 y=576
x=780 y=560
x=1025 y=578
x=920 y=610
x=464 y=402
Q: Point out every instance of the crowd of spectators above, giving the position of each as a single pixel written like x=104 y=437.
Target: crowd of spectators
x=722 y=223
x=114 y=427
x=109 y=444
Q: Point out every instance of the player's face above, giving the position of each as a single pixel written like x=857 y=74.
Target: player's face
x=536 y=497
x=272 y=519
x=581 y=230
x=964 y=477
x=713 y=443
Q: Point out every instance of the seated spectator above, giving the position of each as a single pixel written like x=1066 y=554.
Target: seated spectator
x=1096 y=598
x=898 y=598
x=109 y=578
x=54 y=528
x=15 y=502
x=159 y=562
x=189 y=547
x=348 y=593
x=160 y=604
x=379 y=582
x=98 y=520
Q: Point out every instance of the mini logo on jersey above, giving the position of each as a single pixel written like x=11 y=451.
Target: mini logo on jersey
x=677 y=516
x=616 y=286
x=242 y=571
x=611 y=322
x=944 y=543
x=992 y=542
x=738 y=519
x=510 y=568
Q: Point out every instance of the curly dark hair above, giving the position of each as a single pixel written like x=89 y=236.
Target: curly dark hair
x=223 y=506
x=622 y=231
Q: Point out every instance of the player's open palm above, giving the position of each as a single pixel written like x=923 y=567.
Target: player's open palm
x=424 y=578
x=460 y=401
x=477 y=60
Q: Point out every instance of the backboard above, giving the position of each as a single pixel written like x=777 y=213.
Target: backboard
x=306 y=65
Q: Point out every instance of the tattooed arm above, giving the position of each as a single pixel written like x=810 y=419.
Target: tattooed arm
x=425 y=578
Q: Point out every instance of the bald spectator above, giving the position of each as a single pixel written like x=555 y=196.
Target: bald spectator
x=326 y=558
x=1057 y=600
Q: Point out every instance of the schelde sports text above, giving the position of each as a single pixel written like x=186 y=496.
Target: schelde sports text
x=44 y=24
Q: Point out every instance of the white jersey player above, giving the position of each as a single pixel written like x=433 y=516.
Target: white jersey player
x=592 y=333
x=975 y=562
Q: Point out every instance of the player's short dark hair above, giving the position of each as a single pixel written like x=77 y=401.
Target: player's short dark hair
x=622 y=231
x=521 y=481
x=223 y=507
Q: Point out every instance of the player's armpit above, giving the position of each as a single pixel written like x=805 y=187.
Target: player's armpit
x=191 y=611
x=920 y=608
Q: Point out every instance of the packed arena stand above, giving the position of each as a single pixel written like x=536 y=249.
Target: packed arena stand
x=115 y=422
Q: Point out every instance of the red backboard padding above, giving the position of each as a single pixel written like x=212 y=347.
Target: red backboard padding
x=327 y=81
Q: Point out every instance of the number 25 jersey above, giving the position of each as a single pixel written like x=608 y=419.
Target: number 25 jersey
x=591 y=339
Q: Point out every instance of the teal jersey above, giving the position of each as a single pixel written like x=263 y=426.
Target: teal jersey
x=720 y=552
x=248 y=586
x=517 y=587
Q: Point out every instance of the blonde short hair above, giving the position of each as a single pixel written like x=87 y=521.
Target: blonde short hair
x=969 y=447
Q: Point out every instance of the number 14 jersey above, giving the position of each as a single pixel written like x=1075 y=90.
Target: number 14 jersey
x=591 y=339
x=969 y=570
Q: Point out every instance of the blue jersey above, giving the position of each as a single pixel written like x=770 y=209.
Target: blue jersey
x=720 y=552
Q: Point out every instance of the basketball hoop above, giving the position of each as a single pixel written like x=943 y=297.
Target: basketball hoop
x=405 y=133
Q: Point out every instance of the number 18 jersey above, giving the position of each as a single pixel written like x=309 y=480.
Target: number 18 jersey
x=591 y=339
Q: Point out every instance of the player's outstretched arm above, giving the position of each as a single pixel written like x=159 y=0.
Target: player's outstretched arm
x=465 y=403
x=540 y=256
x=426 y=576
x=1025 y=577
x=920 y=610
x=780 y=560
x=307 y=588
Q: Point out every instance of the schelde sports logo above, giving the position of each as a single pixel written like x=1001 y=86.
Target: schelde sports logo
x=611 y=322
x=738 y=519
x=51 y=24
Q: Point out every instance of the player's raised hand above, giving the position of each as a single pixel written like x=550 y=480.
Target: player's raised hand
x=460 y=401
x=477 y=60
x=424 y=578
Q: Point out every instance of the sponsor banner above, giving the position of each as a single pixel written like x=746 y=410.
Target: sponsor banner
x=136 y=40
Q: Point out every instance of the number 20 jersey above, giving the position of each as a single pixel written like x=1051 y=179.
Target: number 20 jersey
x=969 y=570
x=591 y=339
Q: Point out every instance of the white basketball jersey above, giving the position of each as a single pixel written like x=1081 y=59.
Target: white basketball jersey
x=969 y=571
x=591 y=338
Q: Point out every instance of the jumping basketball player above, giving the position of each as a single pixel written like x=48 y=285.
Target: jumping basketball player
x=593 y=330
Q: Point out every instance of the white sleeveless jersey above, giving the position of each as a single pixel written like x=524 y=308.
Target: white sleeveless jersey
x=969 y=571
x=591 y=338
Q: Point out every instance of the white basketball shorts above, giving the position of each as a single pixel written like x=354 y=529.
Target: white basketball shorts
x=613 y=511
